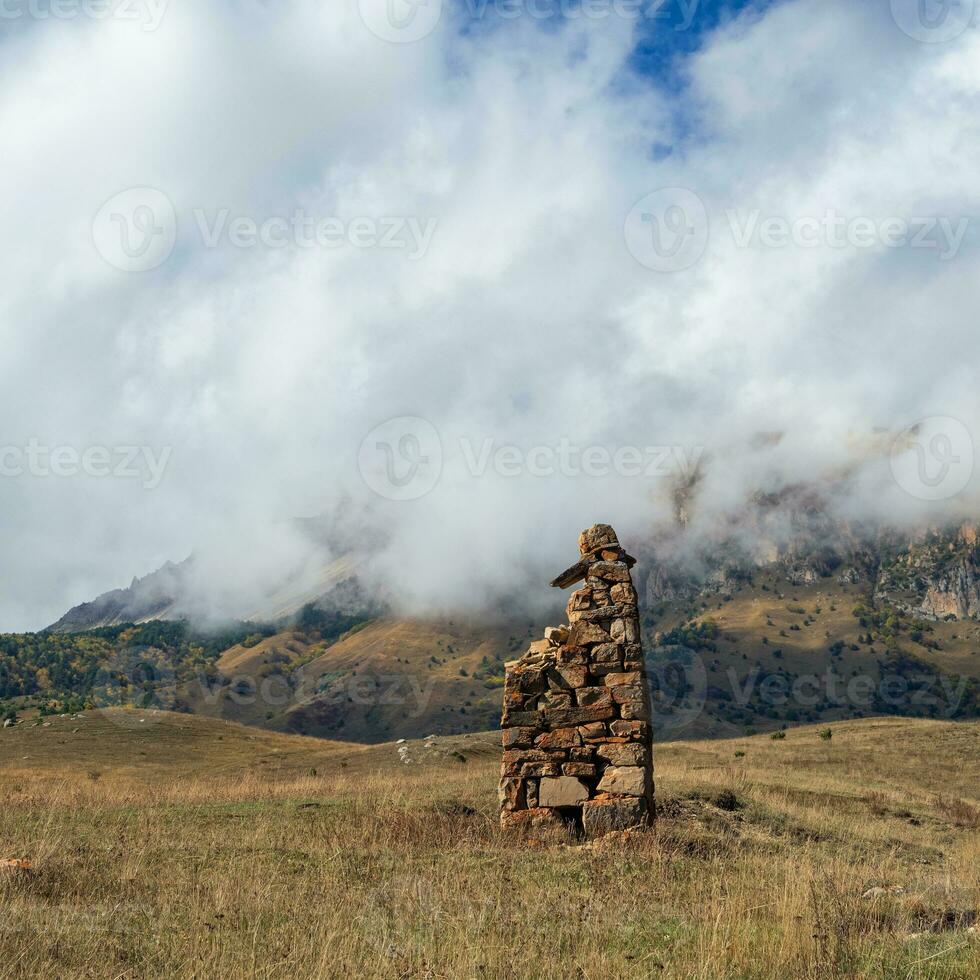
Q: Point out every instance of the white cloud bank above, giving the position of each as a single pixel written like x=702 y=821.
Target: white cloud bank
x=526 y=320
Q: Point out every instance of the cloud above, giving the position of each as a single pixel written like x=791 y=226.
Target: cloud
x=527 y=321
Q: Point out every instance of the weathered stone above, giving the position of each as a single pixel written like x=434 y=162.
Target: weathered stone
x=531 y=793
x=631 y=729
x=560 y=738
x=610 y=571
x=624 y=630
x=626 y=692
x=626 y=780
x=556 y=699
x=600 y=614
x=535 y=769
x=593 y=696
x=628 y=754
x=635 y=710
x=595 y=729
x=536 y=819
x=562 y=791
x=570 y=656
x=515 y=700
x=623 y=593
x=518 y=738
x=584 y=633
x=597 y=537
x=528 y=679
x=559 y=717
x=584 y=770
x=556 y=635
x=512 y=756
x=539 y=646
x=620 y=679
x=583 y=754
x=529 y=719
x=600 y=817
x=607 y=653
x=567 y=677
x=512 y=794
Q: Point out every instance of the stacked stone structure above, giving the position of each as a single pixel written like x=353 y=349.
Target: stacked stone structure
x=576 y=722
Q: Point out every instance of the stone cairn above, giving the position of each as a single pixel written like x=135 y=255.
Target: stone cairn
x=576 y=722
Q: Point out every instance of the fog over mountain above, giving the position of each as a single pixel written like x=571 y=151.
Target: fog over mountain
x=574 y=281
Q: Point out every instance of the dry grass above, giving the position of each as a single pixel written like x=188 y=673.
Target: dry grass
x=222 y=855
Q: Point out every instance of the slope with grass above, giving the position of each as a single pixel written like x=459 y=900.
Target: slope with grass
x=225 y=852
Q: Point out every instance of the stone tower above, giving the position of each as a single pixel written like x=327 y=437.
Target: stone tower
x=576 y=722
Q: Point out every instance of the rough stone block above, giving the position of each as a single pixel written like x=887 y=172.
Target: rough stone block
x=511 y=794
x=621 y=679
x=600 y=817
x=622 y=693
x=563 y=717
x=628 y=754
x=638 y=730
x=556 y=699
x=556 y=635
x=536 y=769
x=623 y=593
x=610 y=571
x=585 y=633
x=626 y=780
x=537 y=819
x=605 y=653
x=563 y=791
x=567 y=677
x=593 y=696
x=560 y=738
x=596 y=538
x=524 y=719
x=635 y=710
x=531 y=793
x=518 y=738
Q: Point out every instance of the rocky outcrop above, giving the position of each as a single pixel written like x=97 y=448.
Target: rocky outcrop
x=937 y=577
x=576 y=722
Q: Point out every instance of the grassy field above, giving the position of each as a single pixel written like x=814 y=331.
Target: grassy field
x=177 y=846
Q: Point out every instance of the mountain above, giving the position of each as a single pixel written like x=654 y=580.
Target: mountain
x=778 y=613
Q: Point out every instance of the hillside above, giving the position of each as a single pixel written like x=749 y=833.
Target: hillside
x=385 y=679
x=222 y=851
x=743 y=630
x=755 y=652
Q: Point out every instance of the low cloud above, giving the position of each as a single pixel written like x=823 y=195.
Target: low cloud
x=529 y=319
